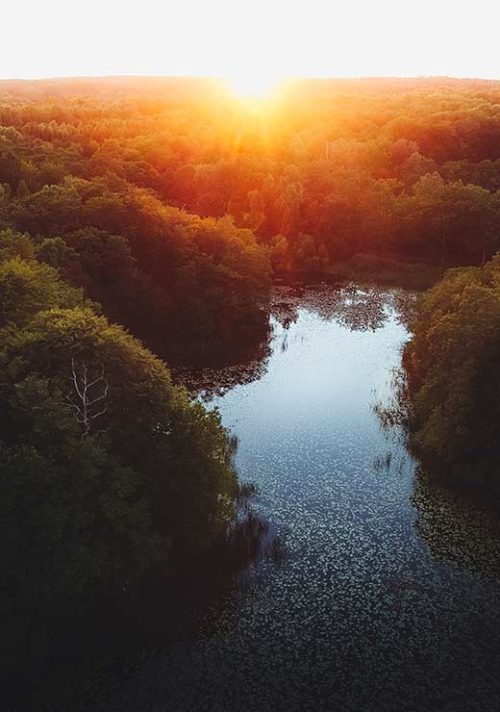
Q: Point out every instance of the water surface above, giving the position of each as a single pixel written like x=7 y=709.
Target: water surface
x=382 y=593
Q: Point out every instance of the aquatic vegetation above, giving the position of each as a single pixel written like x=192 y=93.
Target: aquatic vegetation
x=361 y=608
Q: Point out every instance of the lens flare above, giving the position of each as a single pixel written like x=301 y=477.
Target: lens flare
x=252 y=85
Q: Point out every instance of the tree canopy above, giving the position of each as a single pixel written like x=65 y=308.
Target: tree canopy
x=326 y=170
x=106 y=467
x=453 y=379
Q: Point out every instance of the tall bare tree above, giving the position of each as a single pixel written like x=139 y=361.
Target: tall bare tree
x=88 y=396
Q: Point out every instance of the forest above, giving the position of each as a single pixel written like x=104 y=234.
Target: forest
x=450 y=391
x=325 y=173
x=142 y=223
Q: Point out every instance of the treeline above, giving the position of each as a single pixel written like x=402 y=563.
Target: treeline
x=106 y=468
x=322 y=173
x=192 y=288
x=451 y=394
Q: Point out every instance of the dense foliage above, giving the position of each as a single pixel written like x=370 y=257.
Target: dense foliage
x=105 y=466
x=325 y=171
x=164 y=207
x=190 y=287
x=453 y=380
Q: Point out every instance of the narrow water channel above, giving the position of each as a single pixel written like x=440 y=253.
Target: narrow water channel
x=377 y=589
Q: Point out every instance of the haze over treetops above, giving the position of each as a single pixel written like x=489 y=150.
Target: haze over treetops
x=253 y=45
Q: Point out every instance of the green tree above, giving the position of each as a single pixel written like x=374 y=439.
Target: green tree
x=154 y=467
x=453 y=382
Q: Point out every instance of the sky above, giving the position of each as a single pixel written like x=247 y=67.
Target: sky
x=252 y=41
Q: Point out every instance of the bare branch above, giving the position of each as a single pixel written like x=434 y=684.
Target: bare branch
x=85 y=401
x=93 y=417
x=75 y=378
x=99 y=378
x=101 y=397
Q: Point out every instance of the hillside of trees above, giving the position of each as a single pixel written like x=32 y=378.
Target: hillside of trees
x=452 y=389
x=191 y=288
x=106 y=467
x=323 y=173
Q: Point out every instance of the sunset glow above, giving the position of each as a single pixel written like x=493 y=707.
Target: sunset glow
x=252 y=85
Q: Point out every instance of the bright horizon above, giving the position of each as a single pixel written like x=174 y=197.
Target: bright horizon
x=252 y=45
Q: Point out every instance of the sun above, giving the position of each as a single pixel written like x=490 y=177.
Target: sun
x=252 y=85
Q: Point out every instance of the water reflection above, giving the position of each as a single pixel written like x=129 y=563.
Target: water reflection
x=354 y=307
x=456 y=528
x=208 y=383
x=457 y=525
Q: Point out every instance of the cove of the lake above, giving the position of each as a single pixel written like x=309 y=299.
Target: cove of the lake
x=375 y=589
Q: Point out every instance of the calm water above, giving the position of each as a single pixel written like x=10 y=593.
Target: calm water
x=378 y=591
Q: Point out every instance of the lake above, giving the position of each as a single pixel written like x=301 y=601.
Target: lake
x=374 y=588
